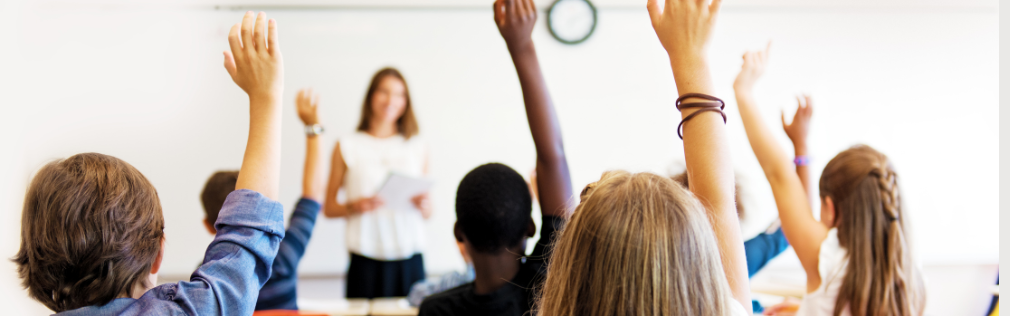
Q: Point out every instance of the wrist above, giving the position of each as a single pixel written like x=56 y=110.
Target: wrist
x=800 y=149
x=521 y=48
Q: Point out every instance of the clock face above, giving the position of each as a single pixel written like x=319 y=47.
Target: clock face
x=571 y=21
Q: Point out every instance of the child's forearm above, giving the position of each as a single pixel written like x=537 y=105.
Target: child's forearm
x=802 y=169
x=313 y=181
x=552 y=166
x=260 y=170
x=706 y=151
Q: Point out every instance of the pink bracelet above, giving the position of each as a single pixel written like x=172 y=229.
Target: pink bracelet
x=801 y=160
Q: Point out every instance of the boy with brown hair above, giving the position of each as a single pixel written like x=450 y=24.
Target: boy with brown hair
x=92 y=230
x=280 y=291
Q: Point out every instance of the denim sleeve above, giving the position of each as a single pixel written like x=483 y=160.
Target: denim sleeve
x=250 y=227
x=762 y=249
x=280 y=290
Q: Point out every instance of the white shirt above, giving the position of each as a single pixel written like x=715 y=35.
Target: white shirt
x=832 y=263
x=384 y=233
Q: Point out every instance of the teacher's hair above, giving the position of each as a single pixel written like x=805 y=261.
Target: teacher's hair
x=406 y=124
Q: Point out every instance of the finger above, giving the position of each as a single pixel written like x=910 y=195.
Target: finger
x=315 y=101
x=784 y=125
x=799 y=102
x=300 y=97
x=713 y=8
x=511 y=8
x=247 y=31
x=259 y=34
x=234 y=39
x=229 y=63
x=498 y=6
x=808 y=103
x=654 y=12
x=524 y=7
x=274 y=40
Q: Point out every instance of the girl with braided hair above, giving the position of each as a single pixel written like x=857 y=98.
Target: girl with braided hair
x=857 y=258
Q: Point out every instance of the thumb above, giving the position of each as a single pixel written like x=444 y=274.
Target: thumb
x=784 y=125
x=654 y=12
x=229 y=63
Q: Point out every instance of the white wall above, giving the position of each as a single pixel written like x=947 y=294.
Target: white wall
x=145 y=84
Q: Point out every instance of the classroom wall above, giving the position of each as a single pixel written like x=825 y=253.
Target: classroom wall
x=146 y=84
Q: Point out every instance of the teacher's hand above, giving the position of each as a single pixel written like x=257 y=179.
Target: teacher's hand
x=364 y=205
x=423 y=203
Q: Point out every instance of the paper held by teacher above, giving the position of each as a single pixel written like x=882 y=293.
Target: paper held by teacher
x=398 y=190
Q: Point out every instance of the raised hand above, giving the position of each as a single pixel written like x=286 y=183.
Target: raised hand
x=307 y=104
x=684 y=26
x=797 y=130
x=515 y=20
x=754 y=64
x=255 y=62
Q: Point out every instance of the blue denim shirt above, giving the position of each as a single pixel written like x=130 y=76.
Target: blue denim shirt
x=280 y=291
x=237 y=263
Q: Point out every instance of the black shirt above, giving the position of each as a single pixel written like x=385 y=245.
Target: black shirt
x=515 y=298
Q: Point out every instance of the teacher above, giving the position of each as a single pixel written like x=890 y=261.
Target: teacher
x=385 y=244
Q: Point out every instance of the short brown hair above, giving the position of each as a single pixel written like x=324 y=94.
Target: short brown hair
x=216 y=190
x=406 y=124
x=90 y=230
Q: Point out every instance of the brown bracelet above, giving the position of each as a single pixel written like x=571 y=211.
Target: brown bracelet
x=714 y=100
x=711 y=109
x=714 y=105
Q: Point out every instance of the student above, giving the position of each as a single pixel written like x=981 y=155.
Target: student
x=385 y=244
x=280 y=290
x=640 y=244
x=428 y=287
x=493 y=202
x=92 y=232
x=857 y=257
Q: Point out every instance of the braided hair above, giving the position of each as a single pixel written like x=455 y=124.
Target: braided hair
x=881 y=278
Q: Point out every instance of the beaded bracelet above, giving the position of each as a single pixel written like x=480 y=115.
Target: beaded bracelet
x=801 y=160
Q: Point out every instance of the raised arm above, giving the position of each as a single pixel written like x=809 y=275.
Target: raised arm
x=797 y=131
x=804 y=232
x=313 y=181
x=256 y=66
x=515 y=20
x=683 y=27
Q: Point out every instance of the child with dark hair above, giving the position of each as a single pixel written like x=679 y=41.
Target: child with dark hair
x=92 y=230
x=493 y=202
x=280 y=291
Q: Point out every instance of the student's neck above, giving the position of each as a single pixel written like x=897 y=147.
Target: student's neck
x=382 y=129
x=494 y=270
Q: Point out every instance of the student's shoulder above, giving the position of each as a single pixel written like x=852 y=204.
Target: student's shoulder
x=447 y=302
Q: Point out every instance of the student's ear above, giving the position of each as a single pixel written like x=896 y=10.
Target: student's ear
x=531 y=229
x=156 y=266
x=458 y=233
x=209 y=226
x=829 y=215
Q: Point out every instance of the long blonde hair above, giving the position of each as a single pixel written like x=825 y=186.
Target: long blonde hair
x=881 y=278
x=637 y=244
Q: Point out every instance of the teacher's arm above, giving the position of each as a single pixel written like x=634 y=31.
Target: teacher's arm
x=331 y=208
x=421 y=201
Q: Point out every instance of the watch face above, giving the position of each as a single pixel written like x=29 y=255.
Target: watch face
x=571 y=21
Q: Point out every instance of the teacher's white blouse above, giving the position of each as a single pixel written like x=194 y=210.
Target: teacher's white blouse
x=382 y=234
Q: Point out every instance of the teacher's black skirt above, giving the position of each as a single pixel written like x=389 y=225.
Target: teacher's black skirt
x=370 y=278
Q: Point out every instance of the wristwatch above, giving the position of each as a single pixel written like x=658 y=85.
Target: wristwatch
x=313 y=130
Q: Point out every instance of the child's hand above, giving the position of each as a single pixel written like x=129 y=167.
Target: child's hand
x=255 y=62
x=683 y=26
x=365 y=205
x=307 y=104
x=797 y=130
x=515 y=20
x=754 y=64
x=423 y=203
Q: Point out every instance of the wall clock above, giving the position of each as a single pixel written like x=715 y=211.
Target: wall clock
x=571 y=21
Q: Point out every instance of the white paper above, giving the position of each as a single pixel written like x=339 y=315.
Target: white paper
x=397 y=192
